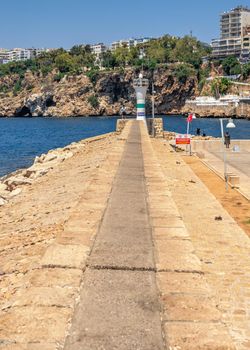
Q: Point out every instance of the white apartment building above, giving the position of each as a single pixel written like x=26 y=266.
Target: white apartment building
x=3 y=56
x=19 y=54
x=98 y=49
x=234 y=34
x=128 y=43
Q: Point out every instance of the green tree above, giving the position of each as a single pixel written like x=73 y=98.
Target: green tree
x=231 y=65
x=83 y=55
x=220 y=86
x=183 y=71
x=64 y=62
x=246 y=70
x=108 y=59
x=121 y=55
x=156 y=52
x=189 y=50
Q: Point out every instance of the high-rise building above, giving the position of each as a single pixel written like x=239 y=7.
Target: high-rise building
x=234 y=34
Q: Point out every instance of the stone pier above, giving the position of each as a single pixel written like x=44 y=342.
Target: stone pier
x=137 y=262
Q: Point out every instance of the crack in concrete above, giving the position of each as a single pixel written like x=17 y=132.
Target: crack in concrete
x=122 y=268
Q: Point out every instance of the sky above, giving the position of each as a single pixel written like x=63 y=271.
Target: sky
x=64 y=23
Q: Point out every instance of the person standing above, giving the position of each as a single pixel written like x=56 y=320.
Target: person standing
x=227 y=139
x=123 y=111
x=198 y=131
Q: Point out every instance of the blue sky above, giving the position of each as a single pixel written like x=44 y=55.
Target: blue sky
x=63 y=23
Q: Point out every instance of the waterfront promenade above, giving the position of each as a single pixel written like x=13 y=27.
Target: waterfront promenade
x=118 y=247
x=238 y=162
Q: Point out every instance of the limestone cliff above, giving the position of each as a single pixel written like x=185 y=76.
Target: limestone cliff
x=79 y=96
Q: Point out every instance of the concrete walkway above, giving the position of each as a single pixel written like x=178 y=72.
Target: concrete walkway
x=238 y=163
x=119 y=305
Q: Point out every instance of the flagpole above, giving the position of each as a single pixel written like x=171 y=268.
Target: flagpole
x=189 y=119
x=187 y=134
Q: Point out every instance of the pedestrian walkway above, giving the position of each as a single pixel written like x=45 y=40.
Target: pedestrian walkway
x=119 y=306
x=237 y=164
x=144 y=286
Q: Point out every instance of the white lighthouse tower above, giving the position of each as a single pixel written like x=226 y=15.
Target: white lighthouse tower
x=140 y=85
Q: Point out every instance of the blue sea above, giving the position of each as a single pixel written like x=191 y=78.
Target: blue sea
x=22 y=139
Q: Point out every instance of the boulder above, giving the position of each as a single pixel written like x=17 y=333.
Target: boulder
x=15 y=192
x=17 y=181
x=2 y=201
x=49 y=157
x=3 y=187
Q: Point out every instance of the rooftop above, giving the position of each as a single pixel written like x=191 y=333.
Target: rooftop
x=237 y=9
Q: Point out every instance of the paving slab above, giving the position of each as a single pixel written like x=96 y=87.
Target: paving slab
x=198 y=336
x=34 y=324
x=118 y=310
x=190 y=308
x=59 y=255
x=179 y=283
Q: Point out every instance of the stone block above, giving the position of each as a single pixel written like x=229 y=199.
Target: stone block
x=55 y=277
x=190 y=283
x=190 y=308
x=198 y=336
x=35 y=324
x=46 y=296
x=65 y=256
x=176 y=255
x=76 y=237
x=165 y=233
x=172 y=221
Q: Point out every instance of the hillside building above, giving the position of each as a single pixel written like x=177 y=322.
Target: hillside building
x=128 y=43
x=234 y=35
x=20 y=54
x=98 y=49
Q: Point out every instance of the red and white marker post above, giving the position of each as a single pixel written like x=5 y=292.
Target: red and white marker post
x=190 y=118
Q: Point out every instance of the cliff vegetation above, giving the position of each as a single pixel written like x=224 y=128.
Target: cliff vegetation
x=74 y=83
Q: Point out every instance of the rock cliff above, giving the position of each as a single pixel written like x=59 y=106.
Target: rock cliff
x=79 y=96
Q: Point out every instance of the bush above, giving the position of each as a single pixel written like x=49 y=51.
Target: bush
x=46 y=69
x=93 y=75
x=64 y=62
x=220 y=86
x=58 y=77
x=183 y=71
x=231 y=66
x=93 y=101
x=30 y=87
x=17 y=87
x=246 y=70
x=3 y=88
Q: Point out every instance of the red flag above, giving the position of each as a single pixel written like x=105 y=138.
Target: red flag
x=190 y=118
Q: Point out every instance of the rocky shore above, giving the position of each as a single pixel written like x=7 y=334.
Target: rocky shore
x=13 y=184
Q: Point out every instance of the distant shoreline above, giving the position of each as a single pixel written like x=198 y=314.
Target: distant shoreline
x=127 y=117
